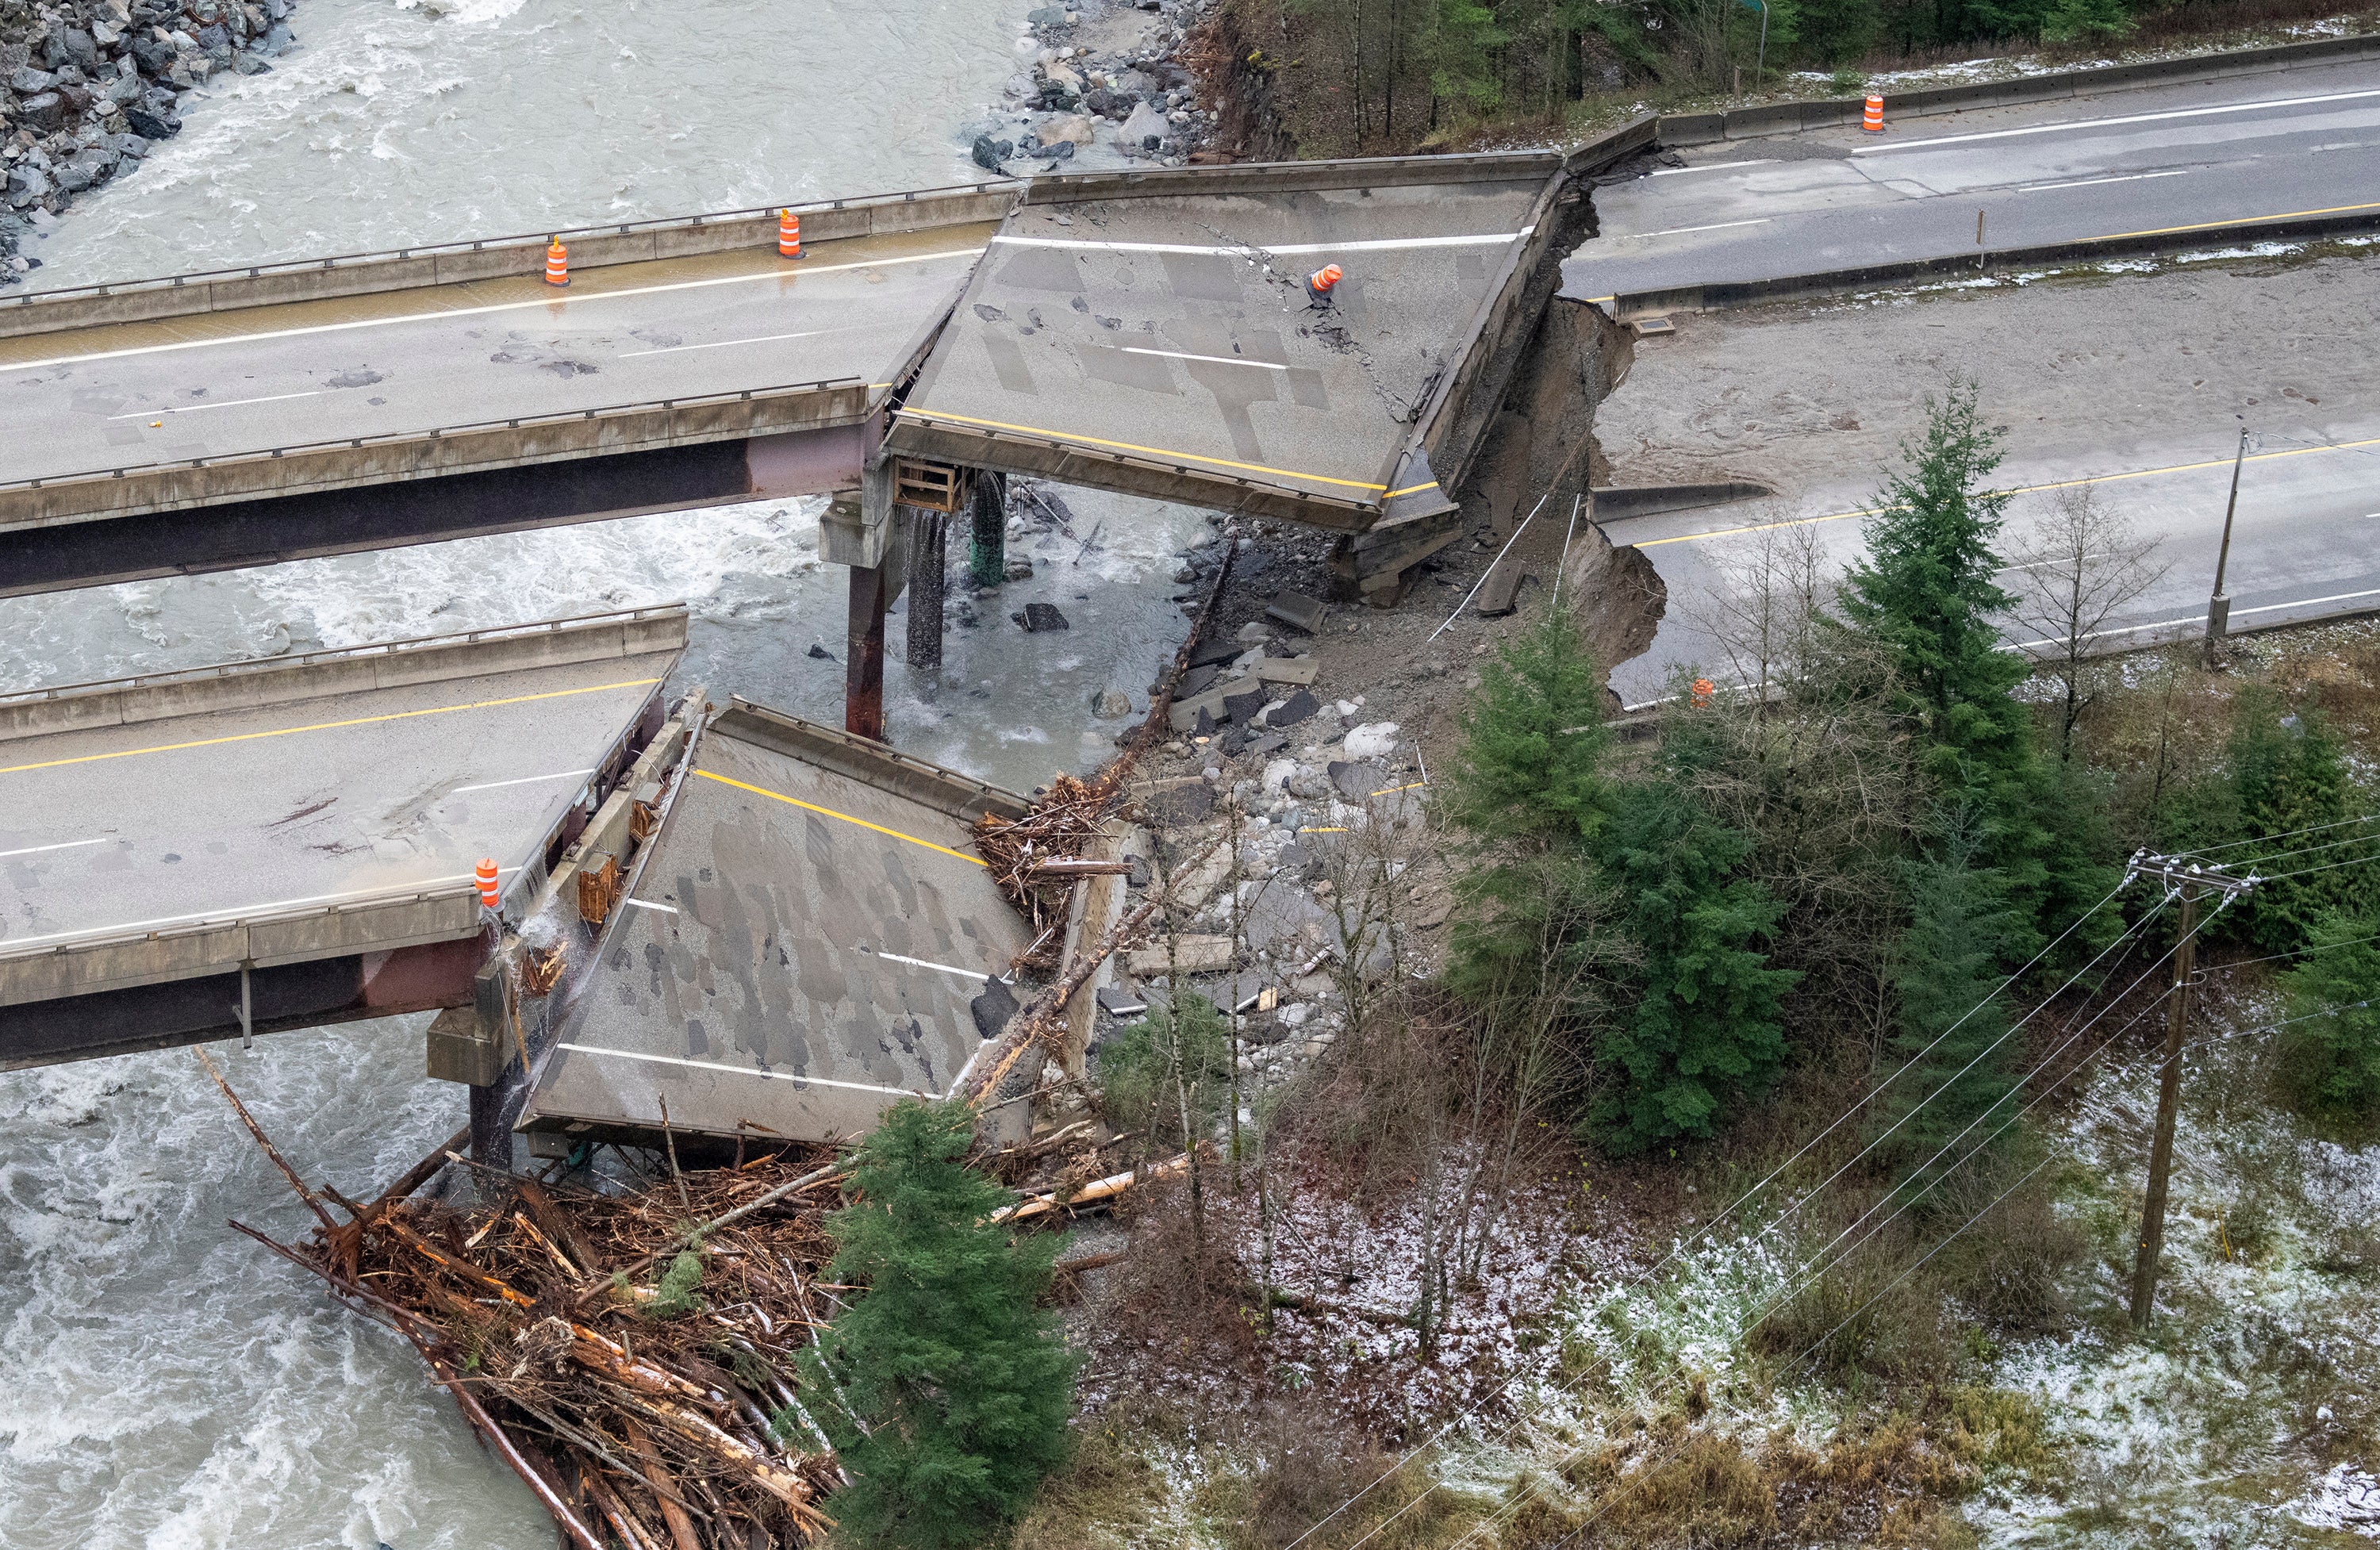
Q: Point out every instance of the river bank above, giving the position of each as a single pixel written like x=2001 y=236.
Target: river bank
x=86 y=89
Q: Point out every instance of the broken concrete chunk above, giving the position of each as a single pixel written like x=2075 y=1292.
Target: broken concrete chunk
x=1044 y=616
x=1121 y=1004
x=1186 y=712
x=1189 y=955
x=992 y=1009
x=1356 y=781
x=1253 y=632
x=1288 y=669
x=1301 y=706
x=819 y=653
x=1242 y=707
x=1296 y=611
x=1215 y=652
x=1500 y=594
x=1272 y=742
x=1204 y=724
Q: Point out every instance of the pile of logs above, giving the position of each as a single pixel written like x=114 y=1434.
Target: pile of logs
x=638 y=1371
x=1035 y=859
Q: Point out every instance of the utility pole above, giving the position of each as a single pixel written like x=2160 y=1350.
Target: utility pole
x=2191 y=881
x=2219 y=607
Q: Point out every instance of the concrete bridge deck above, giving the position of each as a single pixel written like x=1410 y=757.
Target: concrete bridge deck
x=307 y=827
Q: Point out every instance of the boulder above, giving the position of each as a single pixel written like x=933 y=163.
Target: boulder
x=1374 y=740
x=1048 y=15
x=985 y=153
x=28 y=185
x=1144 y=131
x=125 y=91
x=1111 y=705
x=1069 y=127
x=80 y=48
x=44 y=113
x=148 y=125
x=27 y=81
x=1039 y=617
x=1063 y=75
x=153 y=52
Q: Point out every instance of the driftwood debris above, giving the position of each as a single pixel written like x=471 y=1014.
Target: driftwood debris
x=663 y=1414
x=1096 y=1192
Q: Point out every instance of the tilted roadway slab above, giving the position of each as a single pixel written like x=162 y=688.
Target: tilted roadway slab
x=2135 y=165
x=311 y=817
x=809 y=938
x=260 y=433
x=1154 y=332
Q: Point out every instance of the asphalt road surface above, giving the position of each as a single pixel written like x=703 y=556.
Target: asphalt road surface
x=94 y=399
x=232 y=814
x=2305 y=543
x=2163 y=160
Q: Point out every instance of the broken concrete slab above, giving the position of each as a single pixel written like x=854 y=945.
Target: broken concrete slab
x=1242 y=707
x=1121 y=1004
x=1288 y=669
x=1355 y=781
x=1209 y=702
x=1300 y=706
x=1039 y=617
x=1499 y=593
x=1297 y=610
x=1188 y=955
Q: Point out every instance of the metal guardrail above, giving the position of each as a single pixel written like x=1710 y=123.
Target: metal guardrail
x=475 y=245
x=513 y=422
x=221 y=671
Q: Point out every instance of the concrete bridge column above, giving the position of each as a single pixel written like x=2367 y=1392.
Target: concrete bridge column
x=864 y=531
x=928 y=532
x=988 y=545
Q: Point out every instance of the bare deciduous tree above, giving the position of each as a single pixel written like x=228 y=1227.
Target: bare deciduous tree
x=1764 y=610
x=2070 y=573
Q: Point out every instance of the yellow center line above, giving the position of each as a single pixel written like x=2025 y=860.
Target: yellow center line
x=1409 y=785
x=828 y=812
x=1411 y=488
x=1132 y=446
x=329 y=726
x=2019 y=490
x=2235 y=220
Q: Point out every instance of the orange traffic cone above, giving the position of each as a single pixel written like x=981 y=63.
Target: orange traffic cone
x=789 y=235
x=1873 y=120
x=557 y=263
x=1703 y=690
x=1319 y=284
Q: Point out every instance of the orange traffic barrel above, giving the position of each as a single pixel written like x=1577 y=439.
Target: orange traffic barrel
x=557 y=263
x=485 y=877
x=1873 y=120
x=1320 y=282
x=1703 y=689
x=789 y=235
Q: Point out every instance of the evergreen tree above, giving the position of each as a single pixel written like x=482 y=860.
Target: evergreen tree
x=2332 y=1062
x=2290 y=776
x=951 y=1387
x=1955 y=1093
x=1705 y=1030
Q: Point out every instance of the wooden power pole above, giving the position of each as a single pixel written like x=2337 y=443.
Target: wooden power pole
x=2192 y=881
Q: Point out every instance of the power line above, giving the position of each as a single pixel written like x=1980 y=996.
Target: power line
x=1802 y=1272
x=2287 y=834
x=1807 y=1280
x=1681 y=1247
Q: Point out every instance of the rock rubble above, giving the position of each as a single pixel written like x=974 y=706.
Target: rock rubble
x=86 y=87
x=1099 y=81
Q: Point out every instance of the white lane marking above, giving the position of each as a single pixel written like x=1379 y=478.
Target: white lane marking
x=2059 y=560
x=232 y=914
x=743 y=1070
x=524 y=781
x=720 y=344
x=226 y=404
x=1218 y=361
x=480 y=311
x=2340 y=145
x=1681 y=231
x=2094 y=182
x=1715 y=167
x=648 y=904
x=923 y=963
x=1381 y=245
x=2201 y=618
x=36 y=850
x=2106 y=123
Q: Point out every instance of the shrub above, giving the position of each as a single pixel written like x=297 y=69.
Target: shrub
x=2330 y=1060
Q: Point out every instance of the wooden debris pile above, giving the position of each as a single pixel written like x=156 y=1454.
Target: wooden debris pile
x=638 y=1371
x=1035 y=859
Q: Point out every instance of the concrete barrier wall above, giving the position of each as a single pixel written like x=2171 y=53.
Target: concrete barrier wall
x=492 y=259
x=1718 y=298
x=358 y=670
x=1776 y=118
x=1361 y=172
x=410 y=918
x=134 y=492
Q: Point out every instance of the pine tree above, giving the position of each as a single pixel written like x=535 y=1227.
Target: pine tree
x=2290 y=776
x=952 y=1387
x=2331 y=1058
x=1705 y=1030
x=1954 y=1093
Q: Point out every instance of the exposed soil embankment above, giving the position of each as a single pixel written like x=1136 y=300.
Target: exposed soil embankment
x=87 y=86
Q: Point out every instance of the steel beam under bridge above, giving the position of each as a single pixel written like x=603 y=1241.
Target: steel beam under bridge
x=223 y=515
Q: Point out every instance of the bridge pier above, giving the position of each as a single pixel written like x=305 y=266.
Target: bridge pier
x=988 y=530
x=928 y=532
x=863 y=683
